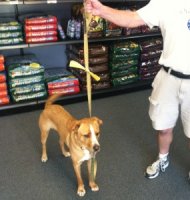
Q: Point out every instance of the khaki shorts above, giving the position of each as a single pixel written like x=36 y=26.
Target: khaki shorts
x=170 y=97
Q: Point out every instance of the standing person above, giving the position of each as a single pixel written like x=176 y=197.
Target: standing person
x=171 y=86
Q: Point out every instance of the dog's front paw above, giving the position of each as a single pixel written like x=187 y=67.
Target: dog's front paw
x=81 y=191
x=94 y=187
x=67 y=154
x=44 y=158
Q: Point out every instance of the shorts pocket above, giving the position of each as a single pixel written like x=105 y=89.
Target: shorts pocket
x=154 y=109
x=158 y=78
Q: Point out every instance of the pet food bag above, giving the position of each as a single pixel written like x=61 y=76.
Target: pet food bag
x=4 y=96
x=98 y=64
x=61 y=81
x=40 y=28
x=150 y=53
x=123 y=62
x=26 y=78
x=10 y=32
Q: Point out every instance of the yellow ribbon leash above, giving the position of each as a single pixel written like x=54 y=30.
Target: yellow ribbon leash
x=87 y=19
x=86 y=62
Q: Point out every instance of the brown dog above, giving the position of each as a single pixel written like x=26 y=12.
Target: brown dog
x=79 y=136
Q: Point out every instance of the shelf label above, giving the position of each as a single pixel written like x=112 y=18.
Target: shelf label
x=14 y=2
x=51 y=1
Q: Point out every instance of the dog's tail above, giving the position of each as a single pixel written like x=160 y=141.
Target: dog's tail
x=51 y=99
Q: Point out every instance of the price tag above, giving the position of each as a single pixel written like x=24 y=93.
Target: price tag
x=51 y=1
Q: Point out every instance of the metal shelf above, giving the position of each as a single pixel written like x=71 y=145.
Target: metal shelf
x=15 y=2
x=65 y=42
x=75 y=1
x=42 y=2
x=19 y=46
x=11 y=2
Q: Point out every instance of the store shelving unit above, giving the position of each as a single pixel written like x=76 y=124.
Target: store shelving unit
x=11 y=2
x=39 y=104
x=71 y=1
x=21 y=107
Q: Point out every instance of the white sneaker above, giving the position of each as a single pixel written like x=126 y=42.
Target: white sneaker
x=152 y=171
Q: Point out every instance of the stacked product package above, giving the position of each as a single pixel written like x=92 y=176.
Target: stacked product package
x=111 y=30
x=96 y=27
x=144 y=29
x=41 y=29
x=10 y=32
x=123 y=62
x=141 y=30
x=75 y=28
x=98 y=64
x=150 y=54
x=4 y=97
x=60 y=81
x=26 y=78
x=74 y=25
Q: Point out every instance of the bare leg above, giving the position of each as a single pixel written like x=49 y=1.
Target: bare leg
x=165 y=139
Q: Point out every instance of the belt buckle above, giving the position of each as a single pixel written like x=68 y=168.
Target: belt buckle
x=169 y=71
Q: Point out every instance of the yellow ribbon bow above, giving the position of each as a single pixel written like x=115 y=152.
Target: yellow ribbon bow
x=77 y=65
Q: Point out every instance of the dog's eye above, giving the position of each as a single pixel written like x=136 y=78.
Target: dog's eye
x=87 y=136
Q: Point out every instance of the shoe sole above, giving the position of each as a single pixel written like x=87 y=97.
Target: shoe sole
x=151 y=177
x=155 y=175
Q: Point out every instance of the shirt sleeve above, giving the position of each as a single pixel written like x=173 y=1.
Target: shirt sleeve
x=150 y=13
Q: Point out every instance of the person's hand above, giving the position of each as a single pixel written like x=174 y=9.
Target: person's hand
x=93 y=7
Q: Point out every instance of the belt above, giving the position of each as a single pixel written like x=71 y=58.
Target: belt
x=176 y=73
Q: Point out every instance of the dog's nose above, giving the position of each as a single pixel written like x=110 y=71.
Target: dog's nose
x=96 y=147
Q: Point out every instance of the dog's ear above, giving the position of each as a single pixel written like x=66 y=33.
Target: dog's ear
x=100 y=122
x=75 y=126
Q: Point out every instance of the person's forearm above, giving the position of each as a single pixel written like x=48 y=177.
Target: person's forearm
x=123 y=18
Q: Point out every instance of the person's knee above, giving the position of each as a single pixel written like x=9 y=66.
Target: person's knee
x=166 y=131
